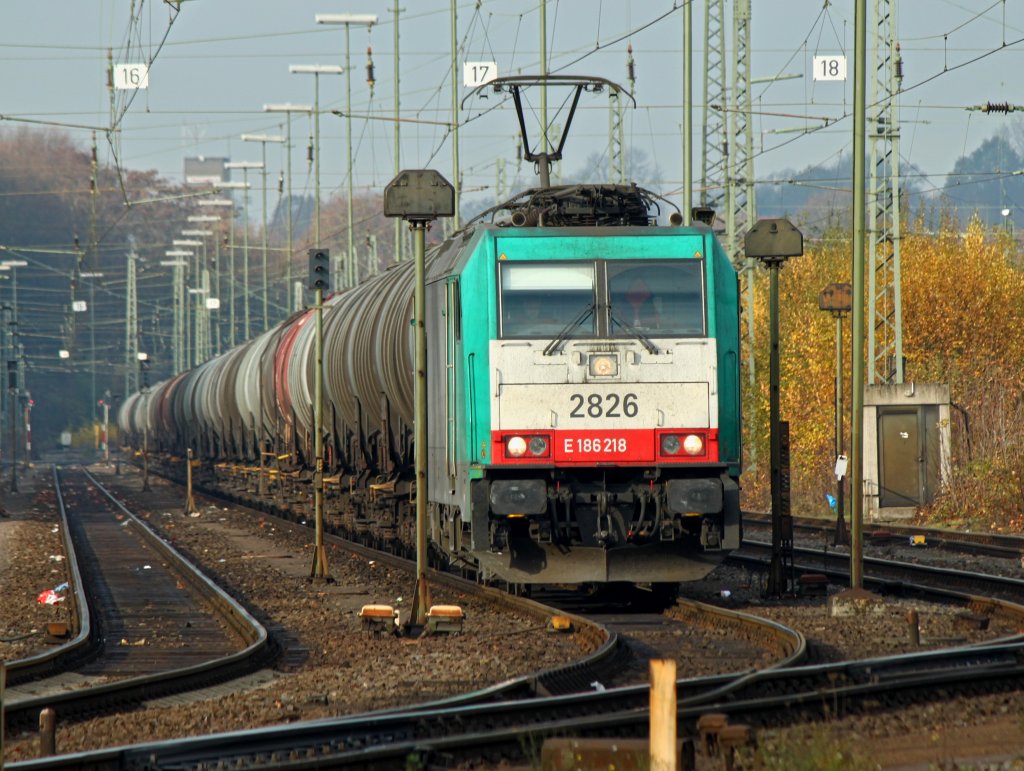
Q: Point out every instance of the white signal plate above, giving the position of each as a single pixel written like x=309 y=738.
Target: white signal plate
x=478 y=73
x=129 y=77
x=829 y=67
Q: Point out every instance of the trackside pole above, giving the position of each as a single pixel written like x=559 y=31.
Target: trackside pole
x=47 y=732
x=190 y=502
x=837 y=299
x=319 y=278
x=773 y=241
x=421 y=600
x=663 y=715
x=420 y=197
x=145 y=456
x=3 y=719
x=143 y=359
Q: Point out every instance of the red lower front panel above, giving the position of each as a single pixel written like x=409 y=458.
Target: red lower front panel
x=621 y=446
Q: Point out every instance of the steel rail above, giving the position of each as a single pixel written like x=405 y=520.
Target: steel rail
x=985 y=544
x=888 y=576
x=514 y=730
x=84 y=644
x=132 y=691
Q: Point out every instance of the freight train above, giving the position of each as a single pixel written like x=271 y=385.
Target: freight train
x=583 y=399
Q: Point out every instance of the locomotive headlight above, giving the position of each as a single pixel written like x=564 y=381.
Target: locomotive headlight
x=686 y=444
x=693 y=444
x=603 y=365
x=669 y=444
x=515 y=446
x=531 y=445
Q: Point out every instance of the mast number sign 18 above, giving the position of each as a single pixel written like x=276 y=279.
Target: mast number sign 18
x=829 y=68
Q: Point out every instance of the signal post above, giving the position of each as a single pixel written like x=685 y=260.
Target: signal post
x=420 y=197
x=319 y=280
x=773 y=241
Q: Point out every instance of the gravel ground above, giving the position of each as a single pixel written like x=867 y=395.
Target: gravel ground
x=985 y=732
x=884 y=631
x=344 y=670
x=31 y=561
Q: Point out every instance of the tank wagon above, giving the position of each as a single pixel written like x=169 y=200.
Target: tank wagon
x=583 y=399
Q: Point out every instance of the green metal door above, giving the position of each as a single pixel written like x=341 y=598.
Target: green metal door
x=901 y=455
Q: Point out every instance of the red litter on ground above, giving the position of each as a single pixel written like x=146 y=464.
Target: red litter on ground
x=49 y=597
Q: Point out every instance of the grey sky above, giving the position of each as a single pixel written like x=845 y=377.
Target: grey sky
x=223 y=59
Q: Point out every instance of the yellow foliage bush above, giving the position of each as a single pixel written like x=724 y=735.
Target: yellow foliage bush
x=963 y=324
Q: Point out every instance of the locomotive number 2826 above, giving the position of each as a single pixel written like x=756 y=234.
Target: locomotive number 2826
x=604 y=406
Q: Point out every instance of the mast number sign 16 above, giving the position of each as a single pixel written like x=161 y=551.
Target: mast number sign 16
x=131 y=76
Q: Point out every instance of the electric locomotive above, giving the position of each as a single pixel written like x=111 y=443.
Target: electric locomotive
x=584 y=385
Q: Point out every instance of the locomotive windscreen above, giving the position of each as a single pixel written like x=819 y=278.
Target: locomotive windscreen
x=543 y=299
x=658 y=298
x=604 y=298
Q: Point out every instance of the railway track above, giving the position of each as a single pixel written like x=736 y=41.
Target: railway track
x=148 y=622
x=611 y=624
x=895 y=577
x=436 y=735
x=505 y=725
x=997 y=545
x=619 y=635
x=703 y=639
x=608 y=659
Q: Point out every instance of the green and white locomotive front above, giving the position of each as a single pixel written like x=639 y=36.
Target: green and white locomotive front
x=607 y=447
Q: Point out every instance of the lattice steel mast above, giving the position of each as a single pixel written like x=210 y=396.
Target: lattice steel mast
x=740 y=205
x=885 y=337
x=131 y=329
x=617 y=172
x=733 y=158
x=714 y=142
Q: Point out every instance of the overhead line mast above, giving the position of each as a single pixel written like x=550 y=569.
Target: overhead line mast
x=713 y=137
x=740 y=208
x=131 y=329
x=885 y=336
x=616 y=129
x=727 y=166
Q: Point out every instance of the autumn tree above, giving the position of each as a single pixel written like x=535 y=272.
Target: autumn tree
x=963 y=324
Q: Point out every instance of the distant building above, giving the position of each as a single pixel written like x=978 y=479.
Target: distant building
x=205 y=171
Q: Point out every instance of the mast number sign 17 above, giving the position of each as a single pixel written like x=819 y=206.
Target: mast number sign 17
x=478 y=73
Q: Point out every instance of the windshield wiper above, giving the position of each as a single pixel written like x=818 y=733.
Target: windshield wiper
x=644 y=339
x=554 y=346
